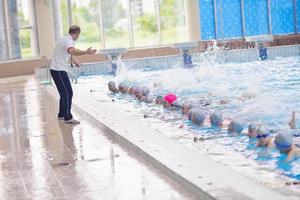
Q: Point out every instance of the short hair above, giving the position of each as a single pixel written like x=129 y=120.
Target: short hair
x=74 y=29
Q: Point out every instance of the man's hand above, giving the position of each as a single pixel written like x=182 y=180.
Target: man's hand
x=91 y=51
x=77 y=63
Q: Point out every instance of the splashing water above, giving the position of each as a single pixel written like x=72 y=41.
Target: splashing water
x=257 y=92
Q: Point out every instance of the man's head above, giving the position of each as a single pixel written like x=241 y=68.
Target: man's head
x=74 y=31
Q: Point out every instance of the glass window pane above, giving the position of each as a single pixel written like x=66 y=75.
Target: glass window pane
x=86 y=15
x=115 y=22
x=14 y=29
x=172 y=21
x=3 y=53
x=25 y=43
x=64 y=16
x=144 y=18
x=27 y=39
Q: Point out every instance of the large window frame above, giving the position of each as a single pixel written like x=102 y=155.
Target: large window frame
x=130 y=38
x=8 y=29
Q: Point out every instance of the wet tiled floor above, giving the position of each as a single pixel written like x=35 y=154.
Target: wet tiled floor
x=43 y=158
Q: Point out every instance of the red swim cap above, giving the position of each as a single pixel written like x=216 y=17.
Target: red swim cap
x=170 y=98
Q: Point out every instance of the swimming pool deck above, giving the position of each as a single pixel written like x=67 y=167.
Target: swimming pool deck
x=186 y=166
x=43 y=158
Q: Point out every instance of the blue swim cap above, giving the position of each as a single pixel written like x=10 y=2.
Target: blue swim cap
x=283 y=141
x=216 y=119
x=235 y=127
x=198 y=117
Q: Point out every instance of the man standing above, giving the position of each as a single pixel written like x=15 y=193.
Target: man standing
x=63 y=51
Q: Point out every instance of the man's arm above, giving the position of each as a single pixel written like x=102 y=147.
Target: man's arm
x=78 y=52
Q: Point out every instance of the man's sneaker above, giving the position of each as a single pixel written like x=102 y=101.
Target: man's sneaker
x=60 y=118
x=72 y=121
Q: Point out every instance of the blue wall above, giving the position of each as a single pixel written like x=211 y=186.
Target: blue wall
x=254 y=12
x=298 y=14
x=207 y=19
x=229 y=18
x=282 y=12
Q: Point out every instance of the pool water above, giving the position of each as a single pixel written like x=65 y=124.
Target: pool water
x=260 y=92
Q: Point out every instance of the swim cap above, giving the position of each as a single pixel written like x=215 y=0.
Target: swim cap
x=132 y=90
x=235 y=126
x=138 y=91
x=148 y=99
x=198 y=117
x=283 y=141
x=170 y=98
x=177 y=104
x=111 y=85
x=123 y=87
x=145 y=91
x=216 y=119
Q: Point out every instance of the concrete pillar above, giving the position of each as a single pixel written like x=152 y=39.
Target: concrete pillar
x=58 y=30
x=45 y=26
x=192 y=16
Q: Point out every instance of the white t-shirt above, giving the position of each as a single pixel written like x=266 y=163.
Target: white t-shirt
x=60 y=54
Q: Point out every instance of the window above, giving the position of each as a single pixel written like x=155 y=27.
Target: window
x=172 y=19
x=3 y=47
x=24 y=38
x=115 y=23
x=125 y=23
x=86 y=15
x=144 y=21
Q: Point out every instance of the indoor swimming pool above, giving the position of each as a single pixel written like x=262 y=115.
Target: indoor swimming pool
x=260 y=92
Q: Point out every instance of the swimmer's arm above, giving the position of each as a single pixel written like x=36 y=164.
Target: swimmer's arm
x=77 y=52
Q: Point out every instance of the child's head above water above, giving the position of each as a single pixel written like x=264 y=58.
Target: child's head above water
x=263 y=137
x=198 y=117
x=216 y=119
x=169 y=99
x=132 y=90
x=123 y=87
x=186 y=106
x=235 y=127
x=283 y=141
x=145 y=91
x=112 y=86
x=251 y=130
